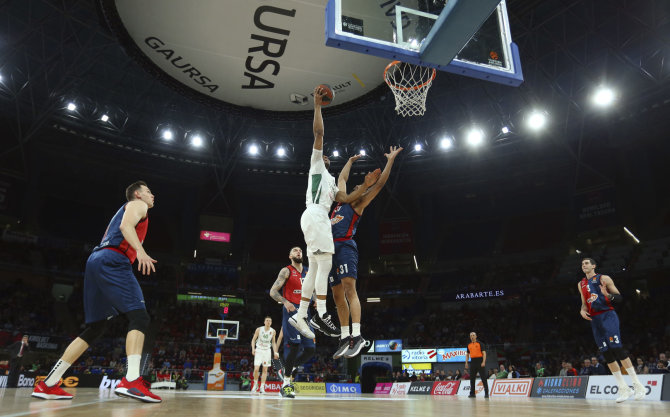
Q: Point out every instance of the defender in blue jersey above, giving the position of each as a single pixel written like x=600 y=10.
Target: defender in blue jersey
x=110 y=289
x=599 y=294
x=344 y=222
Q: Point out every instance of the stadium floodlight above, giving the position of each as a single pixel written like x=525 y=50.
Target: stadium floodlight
x=505 y=130
x=281 y=151
x=446 y=143
x=104 y=118
x=603 y=97
x=362 y=152
x=625 y=229
x=336 y=153
x=167 y=134
x=537 y=120
x=71 y=106
x=253 y=149
x=196 y=141
x=418 y=147
x=475 y=137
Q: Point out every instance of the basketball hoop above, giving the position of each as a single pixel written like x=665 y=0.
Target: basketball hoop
x=410 y=84
x=221 y=336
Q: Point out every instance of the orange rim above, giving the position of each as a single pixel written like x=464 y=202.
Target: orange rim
x=393 y=63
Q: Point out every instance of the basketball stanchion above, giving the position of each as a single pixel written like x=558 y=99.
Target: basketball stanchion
x=216 y=377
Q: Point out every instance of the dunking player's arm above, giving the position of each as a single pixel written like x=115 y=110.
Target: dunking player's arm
x=608 y=289
x=135 y=211
x=253 y=342
x=277 y=286
x=317 y=127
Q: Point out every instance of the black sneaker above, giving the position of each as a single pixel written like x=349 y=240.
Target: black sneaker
x=325 y=325
x=344 y=346
x=278 y=366
x=471 y=396
x=357 y=343
x=486 y=395
x=287 y=391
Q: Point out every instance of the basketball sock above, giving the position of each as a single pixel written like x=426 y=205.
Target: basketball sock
x=302 y=310
x=57 y=372
x=619 y=379
x=355 y=329
x=345 y=332
x=321 y=307
x=287 y=381
x=633 y=375
x=325 y=262
x=133 y=367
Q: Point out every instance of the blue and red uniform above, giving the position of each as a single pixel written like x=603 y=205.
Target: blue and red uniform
x=292 y=291
x=604 y=320
x=344 y=222
x=110 y=287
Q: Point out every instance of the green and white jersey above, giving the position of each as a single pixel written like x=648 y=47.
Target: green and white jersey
x=321 y=187
x=264 y=340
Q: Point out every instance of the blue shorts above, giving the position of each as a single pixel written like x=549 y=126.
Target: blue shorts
x=605 y=328
x=110 y=288
x=345 y=262
x=291 y=334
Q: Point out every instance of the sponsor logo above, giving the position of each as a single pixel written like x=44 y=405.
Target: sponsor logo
x=394 y=345
x=272 y=386
x=605 y=387
x=383 y=388
x=423 y=388
x=419 y=355
x=560 y=387
x=451 y=355
x=446 y=388
x=400 y=388
x=592 y=298
x=343 y=388
x=480 y=294
x=3 y=381
x=376 y=358
x=69 y=382
x=464 y=388
x=25 y=382
x=512 y=387
x=310 y=387
x=107 y=383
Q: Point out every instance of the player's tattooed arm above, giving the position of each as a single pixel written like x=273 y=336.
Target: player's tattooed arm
x=277 y=286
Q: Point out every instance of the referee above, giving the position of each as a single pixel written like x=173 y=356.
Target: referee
x=477 y=352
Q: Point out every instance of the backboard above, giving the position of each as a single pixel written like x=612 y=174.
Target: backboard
x=214 y=327
x=465 y=37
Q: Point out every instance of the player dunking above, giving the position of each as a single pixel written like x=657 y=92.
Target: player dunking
x=264 y=339
x=315 y=224
x=110 y=289
x=289 y=282
x=598 y=295
x=344 y=221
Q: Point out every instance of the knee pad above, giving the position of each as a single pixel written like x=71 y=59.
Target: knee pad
x=619 y=353
x=93 y=331
x=609 y=356
x=138 y=320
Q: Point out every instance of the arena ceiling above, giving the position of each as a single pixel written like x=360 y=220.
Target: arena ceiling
x=57 y=52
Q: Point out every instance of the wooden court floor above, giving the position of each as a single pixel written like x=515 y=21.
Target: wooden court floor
x=103 y=403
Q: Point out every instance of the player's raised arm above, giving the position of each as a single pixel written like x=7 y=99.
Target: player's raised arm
x=278 y=284
x=370 y=179
x=344 y=174
x=135 y=211
x=583 y=311
x=318 y=118
x=377 y=187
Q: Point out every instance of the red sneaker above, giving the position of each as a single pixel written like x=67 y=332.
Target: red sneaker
x=50 y=393
x=137 y=389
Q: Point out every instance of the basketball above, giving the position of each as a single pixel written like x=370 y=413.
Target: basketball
x=328 y=96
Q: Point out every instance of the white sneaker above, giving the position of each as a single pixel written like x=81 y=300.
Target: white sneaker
x=300 y=323
x=262 y=391
x=625 y=394
x=640 y=390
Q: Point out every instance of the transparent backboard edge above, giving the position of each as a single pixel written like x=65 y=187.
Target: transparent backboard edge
x=229 y=337
x=513 y=75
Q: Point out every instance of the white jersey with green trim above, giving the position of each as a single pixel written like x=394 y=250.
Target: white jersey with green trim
x=264 y=339
x=321 y=187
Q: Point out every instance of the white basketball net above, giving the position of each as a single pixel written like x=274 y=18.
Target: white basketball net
x=410 y=84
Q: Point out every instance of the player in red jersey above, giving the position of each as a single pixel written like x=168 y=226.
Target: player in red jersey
x=289 y=282
x=110 y=289
x=598 y=294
